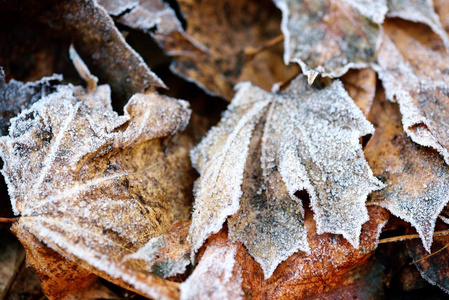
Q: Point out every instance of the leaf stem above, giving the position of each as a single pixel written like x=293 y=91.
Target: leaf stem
x=409 y=237
x=8 y=220
x=250 y=52
x=428 y=255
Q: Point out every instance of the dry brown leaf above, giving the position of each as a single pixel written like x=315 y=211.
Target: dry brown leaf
x=331 y=264
x=435 y=267
x=361 y=86
x=414 y=72
x=421 y=11
x=416 y=177
x=309 y=141
x=157 y=19
x=211 y=52
x=96 y=187
x=102 y=46
x=329 y=37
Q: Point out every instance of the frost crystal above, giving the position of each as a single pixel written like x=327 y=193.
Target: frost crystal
x=306 y=140
x=329 y=37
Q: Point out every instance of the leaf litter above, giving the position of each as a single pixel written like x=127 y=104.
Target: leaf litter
x=251 y=164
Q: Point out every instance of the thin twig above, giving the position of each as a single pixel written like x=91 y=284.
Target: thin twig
x=250 y=52
x=8 y=220
x=428 y=255
x=410 y=236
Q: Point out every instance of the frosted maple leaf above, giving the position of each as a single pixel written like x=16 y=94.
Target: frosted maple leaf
x=270 y=145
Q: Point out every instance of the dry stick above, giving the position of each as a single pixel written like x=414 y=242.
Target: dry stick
x=8 y=220
x=409 y=237
x=250 y=52
x=428 y=255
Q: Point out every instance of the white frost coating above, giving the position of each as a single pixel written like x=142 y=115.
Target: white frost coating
x=282 y=5
x=309 y=43
x=310 y=141
x=149 y=253
x=420 y=11
x=214 y=276
x=420 y=211
x=372 y=9
x=333 y=158
x=72 y=197
x=218 y=191
x=424 y=122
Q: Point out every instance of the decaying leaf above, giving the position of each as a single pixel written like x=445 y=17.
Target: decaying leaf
x=16 y=96
x=331 y=264
x=211 y=52
x=96 y=187
x=435 y=267
x=102 y=46
x=156 y=18
x=421 y=11
x=306 y=139
x=329 y=37
x=416 y=177
x=417 y=78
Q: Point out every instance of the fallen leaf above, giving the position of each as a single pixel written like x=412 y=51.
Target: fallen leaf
x=332 y=265
x=416 y=177
x=416 y=77
x=94 y=186
x=329 y=37
x=433 y=268
x=251 y=168
x=421 y=11
x=212 y=50
x=157 y=19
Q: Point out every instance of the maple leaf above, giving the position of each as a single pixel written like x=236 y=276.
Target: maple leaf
x=212 y=52
x=329 y=37
x=97 y=187
x=263 y=151
x=414 y=76
x=331 y=265
x=416 y=177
